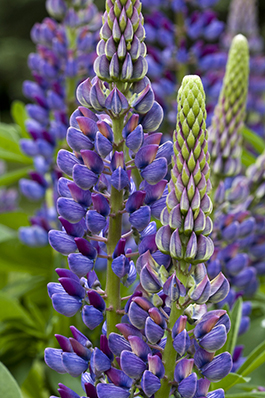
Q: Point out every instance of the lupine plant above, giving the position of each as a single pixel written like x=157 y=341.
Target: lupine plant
x=65 y=54
x=164 y=240
x=161 y=338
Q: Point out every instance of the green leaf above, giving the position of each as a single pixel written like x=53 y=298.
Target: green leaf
x=15 y=157
x=13 y=176
x=19 y=114
x=255 y=359
x=14 y=219
x=10 y=308
x=9 y=132
x=21 y=370
x=9 y=144
x=248 y=387
x=8 y=385
x=247 y=158
x=229 y=381
x=235 y=317
x=35 y=382
x=6 y=233
x=23 y=284
x=253 y=139
x=16 y=257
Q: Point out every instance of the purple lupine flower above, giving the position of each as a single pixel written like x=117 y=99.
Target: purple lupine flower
x=55 y=66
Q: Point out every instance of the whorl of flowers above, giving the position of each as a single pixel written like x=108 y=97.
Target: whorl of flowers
x=121 y=50
x=64 y=55
x=188 y=203
x=229 y=113
x=243 y=18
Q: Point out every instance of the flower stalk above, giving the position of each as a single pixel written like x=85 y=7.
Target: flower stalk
x=115 y=232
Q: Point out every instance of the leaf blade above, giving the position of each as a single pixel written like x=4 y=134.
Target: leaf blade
x=253 y=139
x=255 y=359
x=8 y=385
x=13 y=176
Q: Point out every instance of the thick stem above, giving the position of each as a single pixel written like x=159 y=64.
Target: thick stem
x=169 y=354
x=115 y=229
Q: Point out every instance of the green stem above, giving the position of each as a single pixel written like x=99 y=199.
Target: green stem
x=169 y=354
x=113 y=300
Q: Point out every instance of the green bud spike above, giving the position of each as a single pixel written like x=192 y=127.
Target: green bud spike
x=190 y=182
x=124 y=32
x=229 y=113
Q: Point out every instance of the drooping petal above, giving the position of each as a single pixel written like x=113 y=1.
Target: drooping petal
x=73 y=364
x=150 y=383
x=109 y=390
x=91 y=316
x=132 y=365
x=53 y=358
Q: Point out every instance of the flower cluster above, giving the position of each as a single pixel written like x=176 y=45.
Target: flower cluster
x=163 y=336
x=229 y=113
x=243 y=18
x=65 y=54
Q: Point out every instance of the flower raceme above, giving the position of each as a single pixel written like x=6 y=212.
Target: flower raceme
x=65 y=53
x=229 y=113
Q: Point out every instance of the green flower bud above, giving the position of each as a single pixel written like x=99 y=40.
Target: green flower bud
x=188 y=203
x=122 y=59
x=229 y=114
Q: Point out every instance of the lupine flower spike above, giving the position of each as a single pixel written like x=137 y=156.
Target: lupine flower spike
x=243 y=18
x=228 y=120
x=57 y=67
x=187 y=214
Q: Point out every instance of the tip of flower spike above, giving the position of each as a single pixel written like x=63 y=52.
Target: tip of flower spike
x=240 y=41
x=192 y=81
x=238 y=54
x=191 y=108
